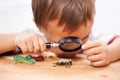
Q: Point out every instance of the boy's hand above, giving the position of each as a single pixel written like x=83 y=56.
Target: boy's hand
x=30 y=43
x=97 y=53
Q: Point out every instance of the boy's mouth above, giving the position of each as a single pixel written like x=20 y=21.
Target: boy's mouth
x=67 y=55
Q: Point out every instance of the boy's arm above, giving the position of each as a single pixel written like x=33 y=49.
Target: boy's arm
x=113 y=42
x=104 y=50
x=7 y=42
x=114 y=49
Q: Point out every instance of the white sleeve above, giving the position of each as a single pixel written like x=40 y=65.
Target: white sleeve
x=102 y=37
x=36 y=32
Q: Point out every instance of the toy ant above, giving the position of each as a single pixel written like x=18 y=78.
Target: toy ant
x=66 y=62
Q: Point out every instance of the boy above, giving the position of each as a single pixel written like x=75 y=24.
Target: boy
x=63 y=18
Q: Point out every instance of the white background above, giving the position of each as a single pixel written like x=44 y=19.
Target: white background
x=16 y=16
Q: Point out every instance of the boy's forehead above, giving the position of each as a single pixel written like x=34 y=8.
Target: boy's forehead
x=53 y=26
x=57 y=31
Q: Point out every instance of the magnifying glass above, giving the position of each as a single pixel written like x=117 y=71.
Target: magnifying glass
x=67 y=44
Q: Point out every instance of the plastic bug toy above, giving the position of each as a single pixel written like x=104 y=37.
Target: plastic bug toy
x=66 y=62
x=21 y=59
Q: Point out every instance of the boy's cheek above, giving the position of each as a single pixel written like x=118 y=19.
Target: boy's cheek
x=88 y=52
x=63 y=54
x=56 y=51
x=85 y=52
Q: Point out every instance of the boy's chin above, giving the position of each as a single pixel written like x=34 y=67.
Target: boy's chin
x=65 y=55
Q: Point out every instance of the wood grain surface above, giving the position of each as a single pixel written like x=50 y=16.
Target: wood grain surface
x=45 y=71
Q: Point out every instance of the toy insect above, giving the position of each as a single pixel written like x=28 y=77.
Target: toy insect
x=37 y=57
x=21 y=59
x=66 y=62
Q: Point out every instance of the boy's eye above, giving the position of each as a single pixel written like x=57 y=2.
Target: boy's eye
x=85 y=38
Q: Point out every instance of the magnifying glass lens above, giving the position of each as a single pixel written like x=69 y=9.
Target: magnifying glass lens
x=70 y=46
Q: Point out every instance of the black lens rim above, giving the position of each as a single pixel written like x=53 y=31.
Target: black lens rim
x=68 y=40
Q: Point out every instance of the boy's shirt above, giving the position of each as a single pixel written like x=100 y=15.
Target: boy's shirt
x=94 y=35
x=107 y=38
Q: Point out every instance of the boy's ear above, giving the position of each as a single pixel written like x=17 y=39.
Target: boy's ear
x=40 y=28
x=95 y=12
x=33 y=20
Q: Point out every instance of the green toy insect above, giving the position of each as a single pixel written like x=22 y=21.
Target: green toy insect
x=21 y=59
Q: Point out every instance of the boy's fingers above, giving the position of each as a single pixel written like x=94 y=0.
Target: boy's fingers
x=23 y=47
x=91 y=44
x=30 y=46
x=99 y=63
x=36 y=46
x=94 y=58
x=93 y=51
x=42 y=44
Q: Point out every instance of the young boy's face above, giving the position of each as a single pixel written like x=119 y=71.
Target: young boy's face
x=54 y=33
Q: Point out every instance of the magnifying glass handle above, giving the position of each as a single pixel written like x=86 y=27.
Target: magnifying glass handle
x=50 y=45
x=81 y=51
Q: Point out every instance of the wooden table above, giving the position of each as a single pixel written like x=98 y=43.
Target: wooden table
x=45 y=71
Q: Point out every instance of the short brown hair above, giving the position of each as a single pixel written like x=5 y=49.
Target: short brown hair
x=72 y=13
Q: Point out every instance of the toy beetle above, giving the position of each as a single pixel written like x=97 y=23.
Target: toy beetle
x=37 y=57
x=66 y=62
